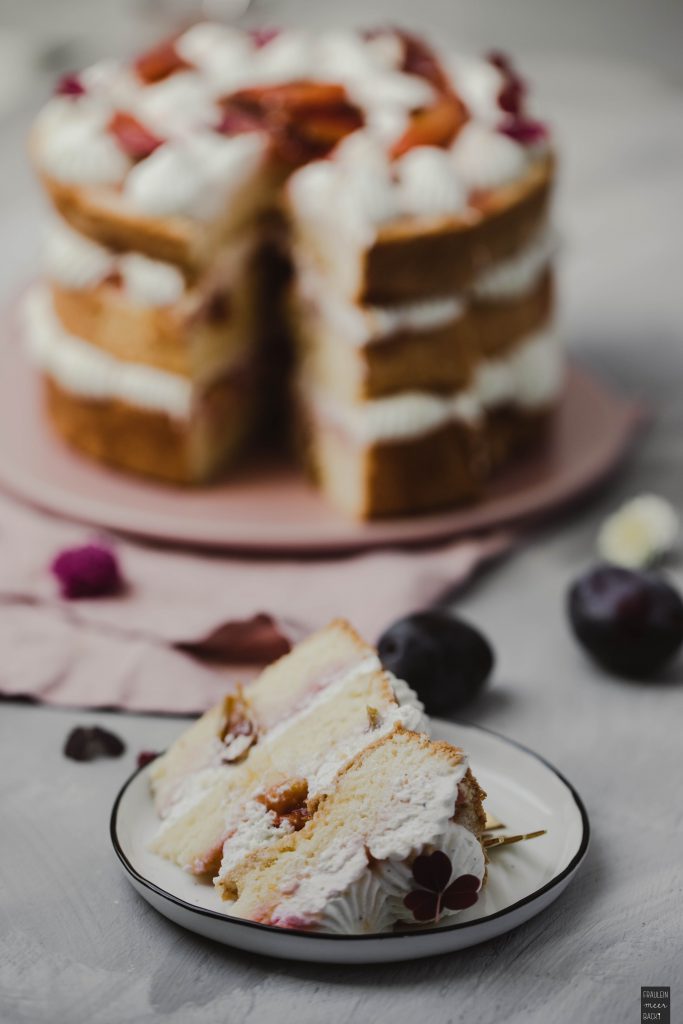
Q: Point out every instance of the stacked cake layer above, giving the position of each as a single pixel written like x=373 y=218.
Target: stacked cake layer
x=310 y=794
x=412 y=404
x=411 y=190
x=144 y=368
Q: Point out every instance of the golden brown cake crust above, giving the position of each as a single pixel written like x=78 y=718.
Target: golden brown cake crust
x=404 y=265
x=510 y=431
x=169 y=338
x=151 y=443
x=446 y=467
x=100 y=214
x=500 y=326
x=441 y=359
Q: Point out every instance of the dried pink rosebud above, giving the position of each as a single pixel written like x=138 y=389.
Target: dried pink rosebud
x=88 y=571
x=262 y=36
x=69 y=85
x=525 y=130
x=511 y=96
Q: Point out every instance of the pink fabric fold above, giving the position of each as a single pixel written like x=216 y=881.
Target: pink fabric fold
x=191 y=625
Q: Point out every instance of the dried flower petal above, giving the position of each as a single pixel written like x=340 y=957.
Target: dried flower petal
x=511 y=97
x=432 y=870
x=262 y=36
x=86 y=743
x=423 y=905
x=69 y=85
x=639 y=532
x=146 y=757
x=462 y=893
x=524 y=130
x=88 y=571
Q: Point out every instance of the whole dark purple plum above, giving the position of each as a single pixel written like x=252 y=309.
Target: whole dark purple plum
x=630 y=622
x=445 y=660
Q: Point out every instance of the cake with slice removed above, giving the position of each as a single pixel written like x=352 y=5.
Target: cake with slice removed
x=408 y=191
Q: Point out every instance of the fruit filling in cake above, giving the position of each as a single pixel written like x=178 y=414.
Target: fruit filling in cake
x=315 y=799
x=407 y=188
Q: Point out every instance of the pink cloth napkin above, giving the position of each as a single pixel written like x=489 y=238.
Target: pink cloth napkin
x=190 y=625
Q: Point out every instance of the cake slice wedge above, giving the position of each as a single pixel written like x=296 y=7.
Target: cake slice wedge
x=396 y=839
x=225 y=733
x=257 y=764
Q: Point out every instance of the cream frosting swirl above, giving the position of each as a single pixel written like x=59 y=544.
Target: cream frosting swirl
x=194 y=176
x=462 y=848
x=485 y=158
x=72 y=260
x=479 y=83
x=427 y=183
x=73 y=144
x=75 y=262
x=177 y=105
x=149 y=282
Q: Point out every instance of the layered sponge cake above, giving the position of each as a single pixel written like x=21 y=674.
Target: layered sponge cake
x=311 y=795
x=408 y=190
x=355 y=865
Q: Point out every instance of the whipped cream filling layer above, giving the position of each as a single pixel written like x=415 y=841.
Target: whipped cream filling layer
x=86 y=370
x=530 y=378
x=365 y=325
x=76 y=262
x=409 y=713
x=516 y=276
x=255 y=826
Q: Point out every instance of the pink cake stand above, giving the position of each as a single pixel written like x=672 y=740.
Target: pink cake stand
x=271 y=508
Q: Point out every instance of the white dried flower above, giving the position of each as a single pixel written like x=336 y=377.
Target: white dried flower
x=640 y=532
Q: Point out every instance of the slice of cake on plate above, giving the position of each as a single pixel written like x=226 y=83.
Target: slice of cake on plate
x=295 y=727
x=328 y=747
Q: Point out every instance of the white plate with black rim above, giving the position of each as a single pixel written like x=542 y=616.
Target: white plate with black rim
x=525 y=793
